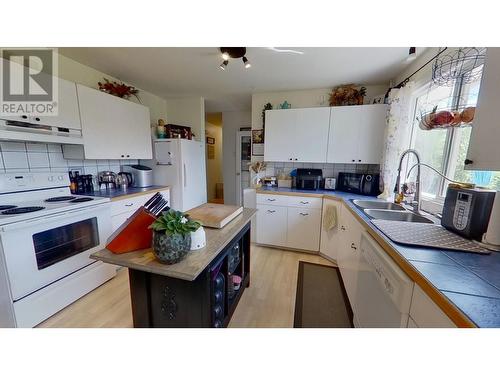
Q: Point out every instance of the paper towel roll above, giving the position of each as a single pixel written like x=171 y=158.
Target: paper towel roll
x=492 y=235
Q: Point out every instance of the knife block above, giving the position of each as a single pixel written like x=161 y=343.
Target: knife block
x=133 y=234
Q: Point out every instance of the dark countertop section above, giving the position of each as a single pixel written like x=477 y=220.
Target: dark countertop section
x=471 y=282
x=115 y=193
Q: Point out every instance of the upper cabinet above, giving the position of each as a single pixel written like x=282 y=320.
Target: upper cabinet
x=113 y=128
x=63 y=128
x=484 y=153
x=351 y=134
x=357 y=134
x=297 y=135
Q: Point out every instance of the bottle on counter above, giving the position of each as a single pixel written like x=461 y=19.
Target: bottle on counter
x=72 y=182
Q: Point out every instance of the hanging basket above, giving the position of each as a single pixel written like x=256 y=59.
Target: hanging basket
x=464 y=63
x=445 y=117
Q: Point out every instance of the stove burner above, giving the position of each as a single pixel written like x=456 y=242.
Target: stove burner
x=80 y=200
x=7 y=207
x=60 y=199
x=22 y=210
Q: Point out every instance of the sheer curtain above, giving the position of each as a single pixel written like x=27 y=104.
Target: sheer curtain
x=397 y=135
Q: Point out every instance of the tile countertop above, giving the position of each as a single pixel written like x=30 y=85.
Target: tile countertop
x=117 y=194
x=464 y=285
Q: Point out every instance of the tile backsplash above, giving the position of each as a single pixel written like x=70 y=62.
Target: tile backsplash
x=329 y=169
x=48 y=157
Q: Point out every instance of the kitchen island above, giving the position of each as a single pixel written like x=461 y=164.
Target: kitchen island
x=194 y=293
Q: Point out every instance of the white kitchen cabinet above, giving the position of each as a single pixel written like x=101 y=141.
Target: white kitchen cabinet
x=122 y=209
x=357 y=134
x=348 y=253
x=68 y=115
x=483 y=152
x=303 y=228
x=425 y=313
x=113 y=128
x=271 y=225
x=331 y=239
x=289 y=221
x=298 y=135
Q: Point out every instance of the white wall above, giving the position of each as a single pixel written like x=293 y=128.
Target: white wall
x=301 y=99
x=188 y=112
x=214 y=166
x=231 y=123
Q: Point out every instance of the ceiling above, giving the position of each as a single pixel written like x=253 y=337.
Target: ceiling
x=180 y=72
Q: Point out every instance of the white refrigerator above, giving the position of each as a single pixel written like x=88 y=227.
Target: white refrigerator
x=180 y=164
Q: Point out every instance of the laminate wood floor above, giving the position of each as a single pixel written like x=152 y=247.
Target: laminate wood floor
x=268 y=302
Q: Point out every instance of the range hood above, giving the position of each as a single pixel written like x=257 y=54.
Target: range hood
x=24 y=131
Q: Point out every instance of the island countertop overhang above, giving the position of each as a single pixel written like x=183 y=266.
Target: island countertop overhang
x=195 y=262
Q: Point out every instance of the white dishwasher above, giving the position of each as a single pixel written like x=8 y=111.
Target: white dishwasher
x=384 y=291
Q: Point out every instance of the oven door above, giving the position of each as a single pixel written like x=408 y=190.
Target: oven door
x=46 y=249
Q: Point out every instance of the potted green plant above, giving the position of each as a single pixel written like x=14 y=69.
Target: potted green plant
x=172 y=236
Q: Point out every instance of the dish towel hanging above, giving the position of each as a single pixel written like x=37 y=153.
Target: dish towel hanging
x=330 y=218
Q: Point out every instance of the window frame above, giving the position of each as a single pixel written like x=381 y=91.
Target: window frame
x=429 y=202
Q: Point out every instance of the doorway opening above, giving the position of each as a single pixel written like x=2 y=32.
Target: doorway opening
x=214 y=157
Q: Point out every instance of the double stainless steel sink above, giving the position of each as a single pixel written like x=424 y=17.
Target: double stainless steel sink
x=389 y=211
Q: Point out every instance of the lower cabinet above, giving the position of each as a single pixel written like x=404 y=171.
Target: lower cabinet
x=293 y=222
x=349 y=252
x=303 y=228
x=122 y=209
x=330 y=239
x=271 y=225
x=424 y=313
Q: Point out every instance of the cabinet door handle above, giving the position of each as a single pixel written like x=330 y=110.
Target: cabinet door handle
x=353 y=160
x=129 y=204
x=304 y=202
x=271 y=211
x=290 y=159
x=25 y=117
x=304 y=214
x=359 y=160
x=468 y=161
x=271 y=199
x=123 y=156
x=342 y=228
x=353 y=246
x=295 y=159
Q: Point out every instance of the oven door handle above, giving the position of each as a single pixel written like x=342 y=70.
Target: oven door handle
x=30 y=222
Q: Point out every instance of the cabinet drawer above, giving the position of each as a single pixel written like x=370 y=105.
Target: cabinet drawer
x=271 y=225
x=128 y=205
x=273 y=199
x=303 y=228
x=304 y=202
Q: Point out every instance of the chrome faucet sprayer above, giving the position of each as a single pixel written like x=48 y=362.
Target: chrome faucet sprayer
x=416 y=198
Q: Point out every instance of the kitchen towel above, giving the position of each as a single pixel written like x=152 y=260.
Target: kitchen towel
x=330 y=218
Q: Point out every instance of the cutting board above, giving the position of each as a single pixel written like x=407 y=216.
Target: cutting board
x=214 y=215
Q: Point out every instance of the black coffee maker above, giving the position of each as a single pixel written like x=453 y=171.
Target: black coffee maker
x=309 y=178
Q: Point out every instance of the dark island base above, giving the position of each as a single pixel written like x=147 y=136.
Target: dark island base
x=208 y=301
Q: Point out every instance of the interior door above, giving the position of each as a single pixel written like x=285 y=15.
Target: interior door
x=344 y=134
x=243 y=157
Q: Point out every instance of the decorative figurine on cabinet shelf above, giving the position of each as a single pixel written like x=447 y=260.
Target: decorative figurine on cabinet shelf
x=285 y=105
x=161 y=131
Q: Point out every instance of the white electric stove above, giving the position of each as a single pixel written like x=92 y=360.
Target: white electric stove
x=46 y=238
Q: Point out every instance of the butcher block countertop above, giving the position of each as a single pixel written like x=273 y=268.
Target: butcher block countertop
x=466 y=286
x=195 y=262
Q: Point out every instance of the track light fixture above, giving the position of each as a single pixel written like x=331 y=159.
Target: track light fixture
x=233 y=53
x=223 y=65
x=412 y=54
x=246 y=62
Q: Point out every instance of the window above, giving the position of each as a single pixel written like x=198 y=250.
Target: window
x=446 y=149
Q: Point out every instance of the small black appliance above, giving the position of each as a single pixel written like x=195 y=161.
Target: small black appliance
x=309 y=178
x=467 y=211
x=359 y=183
